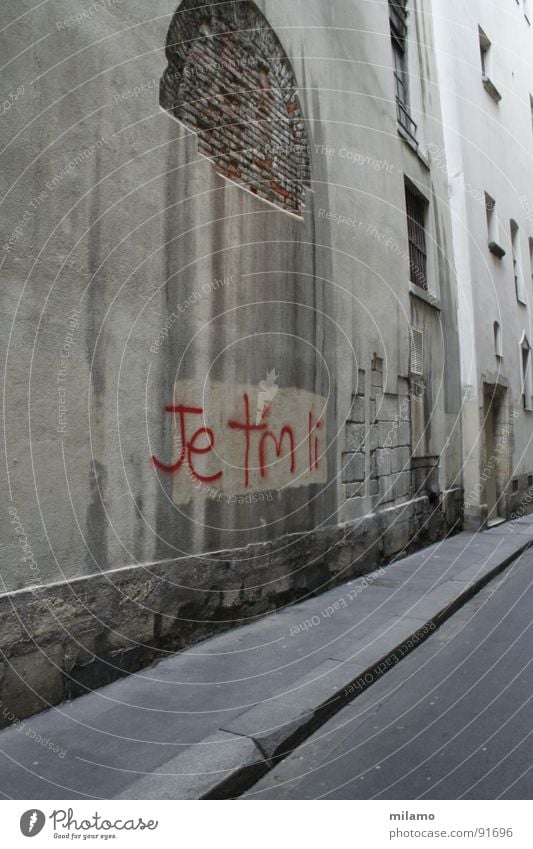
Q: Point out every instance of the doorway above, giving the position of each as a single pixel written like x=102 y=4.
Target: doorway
x=498 y=440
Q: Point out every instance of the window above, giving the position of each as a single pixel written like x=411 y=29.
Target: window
x=517 y=263
x=486 y=66
x=398 y=31
x=416 y=207
x=527 y=381
x=498 y=350
x=493 y=228
x=484 y=48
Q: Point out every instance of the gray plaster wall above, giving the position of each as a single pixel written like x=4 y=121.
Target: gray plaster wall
x=126 y=223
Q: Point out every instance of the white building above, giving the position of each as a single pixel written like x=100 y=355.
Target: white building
x=484 y=58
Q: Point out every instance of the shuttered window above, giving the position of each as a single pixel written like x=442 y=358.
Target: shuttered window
x=416 y=228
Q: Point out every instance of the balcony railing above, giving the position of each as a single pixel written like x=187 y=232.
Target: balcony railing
x=404 y=118
x=406 y=122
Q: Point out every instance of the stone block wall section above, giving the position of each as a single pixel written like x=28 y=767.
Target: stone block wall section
x=377 y=462
x=59 y=641
x=229 y=79
x=519 y=497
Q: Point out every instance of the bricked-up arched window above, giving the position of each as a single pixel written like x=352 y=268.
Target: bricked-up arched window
x=230 y=80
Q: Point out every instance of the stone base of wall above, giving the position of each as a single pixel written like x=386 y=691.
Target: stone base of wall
x=63 y=640
x=516 y=502
x=520 y=497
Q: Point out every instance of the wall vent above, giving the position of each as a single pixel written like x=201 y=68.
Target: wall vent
x=417 y=351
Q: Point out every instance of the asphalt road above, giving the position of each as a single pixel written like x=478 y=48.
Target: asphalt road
x=454 y=720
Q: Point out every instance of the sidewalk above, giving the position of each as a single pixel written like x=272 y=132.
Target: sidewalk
x=209 y=722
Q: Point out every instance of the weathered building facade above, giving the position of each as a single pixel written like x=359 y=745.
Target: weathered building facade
x=484 y=57
x=230 y=321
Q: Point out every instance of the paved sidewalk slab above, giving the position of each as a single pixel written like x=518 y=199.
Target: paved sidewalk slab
x=205 y=722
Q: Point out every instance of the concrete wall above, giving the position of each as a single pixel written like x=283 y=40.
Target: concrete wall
x=137 y=278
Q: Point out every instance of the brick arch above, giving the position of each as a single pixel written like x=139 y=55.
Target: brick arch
x=229 y=79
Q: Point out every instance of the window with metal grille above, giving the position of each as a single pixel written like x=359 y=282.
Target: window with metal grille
x=398 y=17
x=398 y=31
x=416 y=228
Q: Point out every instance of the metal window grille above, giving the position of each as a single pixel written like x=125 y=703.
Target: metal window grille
x=398 y=29
x=402 y=110
x=398 y=17
x=416 y=218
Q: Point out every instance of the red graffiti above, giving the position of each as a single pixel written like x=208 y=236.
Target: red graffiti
x=189 y=446
x=202 y=442
x=286 y=431
x=248 y=427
